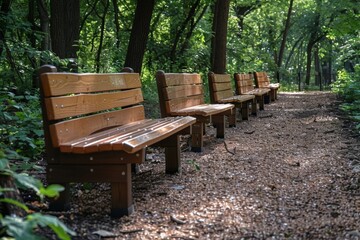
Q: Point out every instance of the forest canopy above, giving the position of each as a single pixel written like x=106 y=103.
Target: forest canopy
x=307 y=40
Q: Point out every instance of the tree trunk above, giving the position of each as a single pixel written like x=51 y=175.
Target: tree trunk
x=283 y=42
x=139 y=34
x=102 y=30
x=65 y=24
x=4 y=10
x=44 y=25
x=218 y=43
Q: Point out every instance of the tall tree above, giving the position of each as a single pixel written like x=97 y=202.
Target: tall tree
x=65 y=25
x=219 y=29
x=4 y=10
x=139 y=34
x=283 y=41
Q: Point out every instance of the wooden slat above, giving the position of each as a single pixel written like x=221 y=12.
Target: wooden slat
x=222 y=86
x=69 y=106
x=221 y=78
x=174 y=79
x=109 y=143
x=179 y=103
x=156 y=135
x=69 y=130
x=218 y=96
x=88 y=142
x=129 y=138
x=244 y=83
x=204 y=110
x=173 y=92
x=237 y=99
x=57 y=84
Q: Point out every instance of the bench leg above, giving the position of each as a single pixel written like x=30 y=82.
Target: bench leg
x=254 y=106
x=172 y=155
x=63 y=201
x=197 y=137
x=273 y=94
x=219 y=123
x=261 y=100
x=245 y=110
x=232 y=119
x=121 y=195
x=267 y=98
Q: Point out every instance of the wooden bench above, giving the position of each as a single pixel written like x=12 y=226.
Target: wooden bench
x=220 y=91
x=95 y=128
x=181 y=94
x=262 y=81
x=244 y=84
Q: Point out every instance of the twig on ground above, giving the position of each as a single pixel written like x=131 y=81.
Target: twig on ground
x=178 y=221
x=233 y=153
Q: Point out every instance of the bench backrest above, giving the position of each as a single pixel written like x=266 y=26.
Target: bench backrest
x=219 y=87
x=261 y=79
x=76 y=105
x=178 y=90
x=244 y=82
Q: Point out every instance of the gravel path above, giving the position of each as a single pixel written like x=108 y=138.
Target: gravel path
x=292 y=172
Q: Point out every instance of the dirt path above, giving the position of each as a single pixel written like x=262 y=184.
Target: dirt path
x=293 y=172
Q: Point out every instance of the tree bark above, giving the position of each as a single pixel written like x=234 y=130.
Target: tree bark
x=4 y=10
x=139 y=34
x=65 y=24
x=283 y=42
x=218 y=45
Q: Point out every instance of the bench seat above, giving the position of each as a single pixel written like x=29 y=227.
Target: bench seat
x=129 y=137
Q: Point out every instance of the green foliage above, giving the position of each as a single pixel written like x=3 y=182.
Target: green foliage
x=26 y=227
x=21 y=134
x=348 y=87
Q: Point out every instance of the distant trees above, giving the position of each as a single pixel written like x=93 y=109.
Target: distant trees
x=282 y=37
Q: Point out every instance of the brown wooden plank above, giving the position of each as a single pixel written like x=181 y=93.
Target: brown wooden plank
x=174 y=79
x=91 y=142
x=86 y=173
x=181 y=91
x=69 y=130
x=222 y=86
x=75 y=105
x=222 y=78
x=218 y=96
x=104 y=158
x=118 y=137
x=56 y=84
x=180 y=103
x=237 y=99
x=156 y=135
x=204 y=110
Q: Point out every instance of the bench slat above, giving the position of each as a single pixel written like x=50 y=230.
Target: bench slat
x=219 y=95
x=204 y=109
x=175 y=79
x=237 y=98
x=161 y=133
x=103 y=135
x=69 y=106
x=69 y=130
x=129 y=138
x=181 y=91
x=222 y=86
x=180 y=103
x=57 y=84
